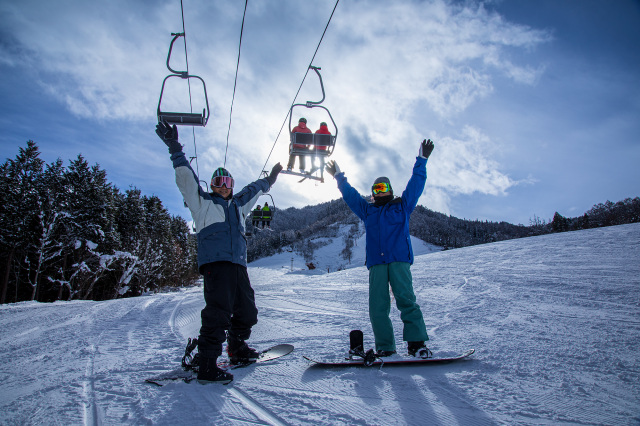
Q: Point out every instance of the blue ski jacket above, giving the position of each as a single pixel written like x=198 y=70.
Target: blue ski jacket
x=387 y=226
x=219 y=223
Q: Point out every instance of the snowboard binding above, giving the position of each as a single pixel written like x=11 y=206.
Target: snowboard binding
x=356 y=344
x=191 y=362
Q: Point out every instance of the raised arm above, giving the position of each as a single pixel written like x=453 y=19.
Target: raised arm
x=186 y=178
x=416 y=184
x=351 y=196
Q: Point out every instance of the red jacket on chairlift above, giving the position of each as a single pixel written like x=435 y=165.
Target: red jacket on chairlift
x=301 y=128
x=323 y=130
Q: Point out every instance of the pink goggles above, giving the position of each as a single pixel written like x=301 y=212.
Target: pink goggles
x=218 y=181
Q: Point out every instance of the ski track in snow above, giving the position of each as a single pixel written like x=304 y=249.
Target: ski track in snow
x=555 y=321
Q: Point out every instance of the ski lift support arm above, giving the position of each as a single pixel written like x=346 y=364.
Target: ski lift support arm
x=182 y=118
x=315 y=104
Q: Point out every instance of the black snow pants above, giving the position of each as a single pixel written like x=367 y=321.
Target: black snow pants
x=230 y=305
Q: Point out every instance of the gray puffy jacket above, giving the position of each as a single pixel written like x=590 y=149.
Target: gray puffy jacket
x=220 y=223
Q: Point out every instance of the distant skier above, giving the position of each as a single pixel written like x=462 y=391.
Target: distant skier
x=256 y=215
x=219 y=217
x=266 y=216
x=389 y=254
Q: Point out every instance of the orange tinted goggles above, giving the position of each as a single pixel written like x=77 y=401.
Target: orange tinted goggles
x=381 y=187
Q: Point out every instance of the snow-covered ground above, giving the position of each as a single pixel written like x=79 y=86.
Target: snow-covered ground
x=555 y=321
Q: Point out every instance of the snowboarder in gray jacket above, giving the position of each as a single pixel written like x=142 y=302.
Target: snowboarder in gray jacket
x=219 y=218
x=389 y=254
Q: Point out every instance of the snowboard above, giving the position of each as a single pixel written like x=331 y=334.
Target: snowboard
x=180 y=374
x=392 y=360
x=358 y=356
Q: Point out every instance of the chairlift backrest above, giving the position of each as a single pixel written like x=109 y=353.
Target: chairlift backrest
x=183 y=118
x=323 y=141
x=302 y=138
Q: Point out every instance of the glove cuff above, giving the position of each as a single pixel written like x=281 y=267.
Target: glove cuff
x=174 y=146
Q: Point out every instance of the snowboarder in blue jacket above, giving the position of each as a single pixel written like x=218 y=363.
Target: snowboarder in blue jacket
x=219 y=218
x=389 y=254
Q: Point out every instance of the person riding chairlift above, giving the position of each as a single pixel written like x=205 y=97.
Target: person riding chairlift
x=266 y=216
x=300 y=128
x=323 y=130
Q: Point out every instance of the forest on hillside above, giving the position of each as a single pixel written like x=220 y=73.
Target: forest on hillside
x=297 y=227
x=67 y=233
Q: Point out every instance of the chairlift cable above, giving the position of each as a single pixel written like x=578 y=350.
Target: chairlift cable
x=235 y=82
x=186 y=56
x=300 y=88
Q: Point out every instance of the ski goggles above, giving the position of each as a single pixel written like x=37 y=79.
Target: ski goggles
x=218 y=181
x=381 y=187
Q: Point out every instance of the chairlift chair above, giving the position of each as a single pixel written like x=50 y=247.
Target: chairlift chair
x=260 y=215
x=315 y=145
x=182 y=118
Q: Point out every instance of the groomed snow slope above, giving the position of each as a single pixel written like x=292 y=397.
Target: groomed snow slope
x=555 y=321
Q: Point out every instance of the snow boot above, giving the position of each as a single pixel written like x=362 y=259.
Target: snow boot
x=209 y=372
x=419 y=350
x=381 y=354
x=239 y=352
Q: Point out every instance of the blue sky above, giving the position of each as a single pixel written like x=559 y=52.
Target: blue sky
x=534 y=106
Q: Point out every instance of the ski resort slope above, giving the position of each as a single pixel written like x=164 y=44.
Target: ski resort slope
x=555 y=321
x=328 y=257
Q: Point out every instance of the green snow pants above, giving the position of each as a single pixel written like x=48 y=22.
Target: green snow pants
x=398 y=274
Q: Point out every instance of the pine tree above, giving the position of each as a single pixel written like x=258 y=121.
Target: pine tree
x=91 y=214
x=559 y=223
x=17 y=214
x=51 y=210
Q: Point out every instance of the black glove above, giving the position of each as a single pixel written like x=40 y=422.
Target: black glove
x=332 y=168
x=274 y=174
x=169 y=136
x=425 y=148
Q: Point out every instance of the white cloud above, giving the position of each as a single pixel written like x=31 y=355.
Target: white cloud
x=390 y=69
x=464 y=165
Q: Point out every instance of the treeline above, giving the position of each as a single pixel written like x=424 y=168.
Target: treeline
x=67 y=233
x=296 y=227
x=607 y=214
x=450 y=232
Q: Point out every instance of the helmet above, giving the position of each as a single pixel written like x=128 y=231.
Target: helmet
x=221 y=177
x=302 y=120
x=323 y=124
